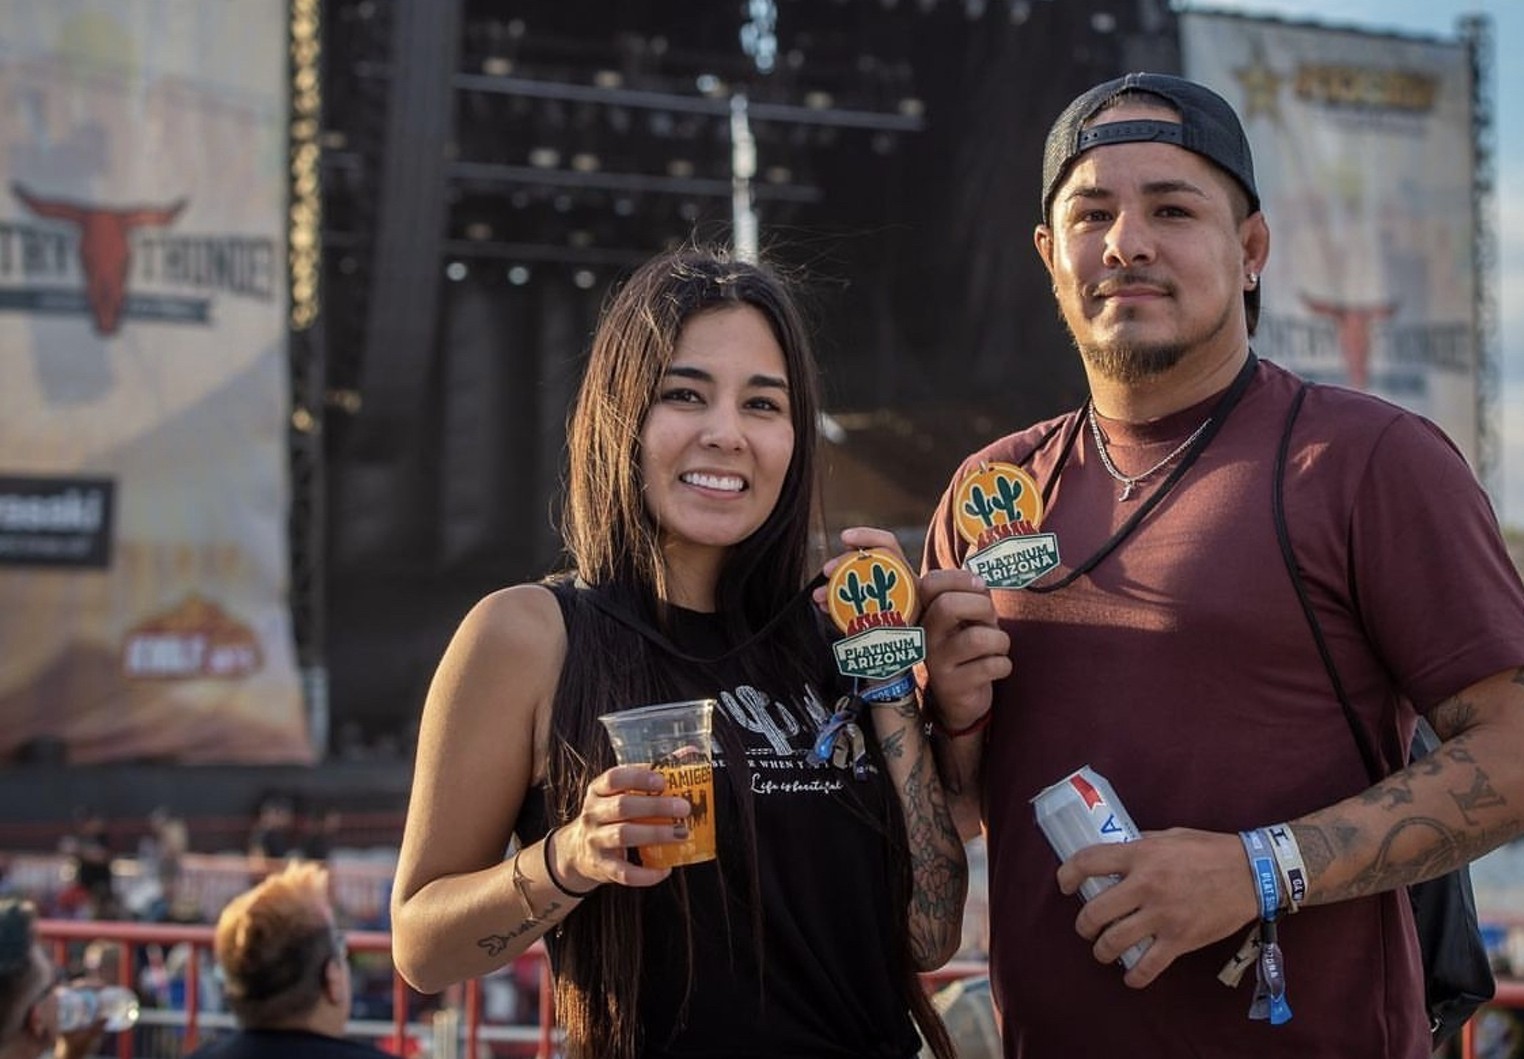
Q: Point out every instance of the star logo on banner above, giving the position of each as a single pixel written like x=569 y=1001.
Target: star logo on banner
x=1261 y=86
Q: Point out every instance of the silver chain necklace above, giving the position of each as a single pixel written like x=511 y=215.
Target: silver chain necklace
x=1130 y=482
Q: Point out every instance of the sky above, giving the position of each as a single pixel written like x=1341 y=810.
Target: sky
x=1439 y=18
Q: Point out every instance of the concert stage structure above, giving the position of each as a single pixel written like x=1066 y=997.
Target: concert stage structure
x=490 y=170
x=453 y=187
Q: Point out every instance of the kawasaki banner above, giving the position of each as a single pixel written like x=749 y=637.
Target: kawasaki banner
x=143 y=384
x=1363 y=154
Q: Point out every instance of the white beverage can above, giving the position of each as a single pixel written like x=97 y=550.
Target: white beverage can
x=1082 y=810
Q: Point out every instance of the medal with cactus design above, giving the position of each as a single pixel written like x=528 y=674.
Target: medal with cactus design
x=871 y=598
x=997 y=509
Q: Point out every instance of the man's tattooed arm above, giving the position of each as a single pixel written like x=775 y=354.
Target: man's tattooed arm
x=1442 y=811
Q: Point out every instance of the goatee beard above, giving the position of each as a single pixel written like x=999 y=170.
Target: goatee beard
x=1133 y=362
x=1127 y=363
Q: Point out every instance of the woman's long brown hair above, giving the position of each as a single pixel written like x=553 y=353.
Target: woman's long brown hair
x=613 y=547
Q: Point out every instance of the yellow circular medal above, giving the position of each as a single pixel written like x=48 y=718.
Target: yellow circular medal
x=872 y=587
x=993 y=495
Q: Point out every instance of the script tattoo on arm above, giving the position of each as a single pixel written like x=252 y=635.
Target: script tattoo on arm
x=495 y=944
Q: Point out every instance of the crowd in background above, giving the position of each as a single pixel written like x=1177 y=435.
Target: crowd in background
x=166 y=869
x=136 y=871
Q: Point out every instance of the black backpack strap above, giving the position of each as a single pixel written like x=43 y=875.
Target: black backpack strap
x=1278 y=504
x=1457 y=975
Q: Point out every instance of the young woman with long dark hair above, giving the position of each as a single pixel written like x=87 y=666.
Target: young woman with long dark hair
x=687 y=524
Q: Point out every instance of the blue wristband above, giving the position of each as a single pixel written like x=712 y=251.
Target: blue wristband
x=895 y=689
x=1262 y=864
x=1269 y=1002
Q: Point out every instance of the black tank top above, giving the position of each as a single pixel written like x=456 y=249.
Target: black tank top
x=831 y=986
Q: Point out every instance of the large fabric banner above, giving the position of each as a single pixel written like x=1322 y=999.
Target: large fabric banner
x=143 y=384
x=1363 y=155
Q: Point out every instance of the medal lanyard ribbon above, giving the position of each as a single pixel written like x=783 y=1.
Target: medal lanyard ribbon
x=841 y=740
x=1270 y=973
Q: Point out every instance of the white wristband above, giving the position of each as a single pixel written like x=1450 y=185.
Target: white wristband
x=1288 y=859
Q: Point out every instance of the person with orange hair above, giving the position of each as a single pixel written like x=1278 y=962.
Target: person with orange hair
x=285 y=972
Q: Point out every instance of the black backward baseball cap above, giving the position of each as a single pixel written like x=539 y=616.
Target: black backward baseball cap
x=1208 y=126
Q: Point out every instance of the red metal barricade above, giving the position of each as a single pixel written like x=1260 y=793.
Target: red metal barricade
x=61 y=935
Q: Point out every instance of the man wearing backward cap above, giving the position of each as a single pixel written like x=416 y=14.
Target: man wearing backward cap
x=1170 y=651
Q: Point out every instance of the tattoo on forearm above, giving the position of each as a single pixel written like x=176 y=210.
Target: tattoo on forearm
x=1432 y=765
x=1388 y=795
x=1482 y=795
x=1317 y=851
x=1453 y=716
x=894 y=745
x=494 y=944
x=1413 y=847
x=939 y=885
x=1458 y=751
x=1450 y=848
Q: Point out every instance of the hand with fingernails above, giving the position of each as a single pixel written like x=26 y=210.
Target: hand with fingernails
x=623 y=808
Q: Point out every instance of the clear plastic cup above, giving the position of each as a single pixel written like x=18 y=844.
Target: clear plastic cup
x=80 y=1007
x=674 y=739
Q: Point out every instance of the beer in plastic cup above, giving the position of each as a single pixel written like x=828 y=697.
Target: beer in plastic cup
x=674 y=739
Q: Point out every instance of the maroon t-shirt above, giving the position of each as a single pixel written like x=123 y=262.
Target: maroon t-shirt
x=1183 y=670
